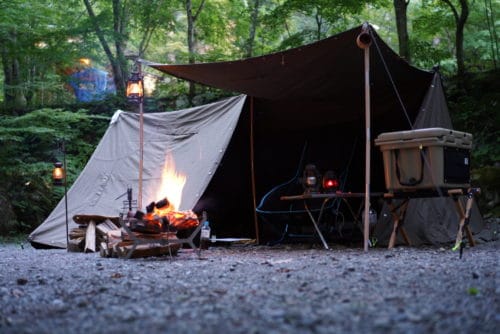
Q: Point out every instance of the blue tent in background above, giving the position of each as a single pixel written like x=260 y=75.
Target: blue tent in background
x=90 y=84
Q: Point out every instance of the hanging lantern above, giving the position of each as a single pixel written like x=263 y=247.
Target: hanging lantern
x=58 y=174
x=311 y=179
x=135 y=88
x=330 y=182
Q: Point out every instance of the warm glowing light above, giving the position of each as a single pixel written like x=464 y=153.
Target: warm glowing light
x=171 y=185
x=58 y=174
x=41 y=45
x=84 y=61
x=135 y=88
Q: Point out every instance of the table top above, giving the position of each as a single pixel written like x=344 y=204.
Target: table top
x=329 y=195
x=387 y=195
x=427 y=193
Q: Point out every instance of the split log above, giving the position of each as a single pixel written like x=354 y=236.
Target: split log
x=106 y=226
x=90 y=237
x=147 y=250
x=120 y=244
x=103 y=250
x=77 y=232
x=85 y=219
x=76 y=245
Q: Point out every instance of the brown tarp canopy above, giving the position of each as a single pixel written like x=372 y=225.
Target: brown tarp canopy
x=323 y=80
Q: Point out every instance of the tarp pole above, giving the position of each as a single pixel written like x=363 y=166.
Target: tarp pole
x=252 y=167
x=367 y=149
x=364 y=41
x=141 y=143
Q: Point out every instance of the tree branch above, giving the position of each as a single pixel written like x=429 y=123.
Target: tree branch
x=200 y=7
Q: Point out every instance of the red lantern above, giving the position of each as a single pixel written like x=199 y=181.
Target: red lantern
x=330 y=182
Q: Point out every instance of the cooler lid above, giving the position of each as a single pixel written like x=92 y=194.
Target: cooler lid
x=440 y=134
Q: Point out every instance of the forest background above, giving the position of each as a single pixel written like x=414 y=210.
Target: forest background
x=43 y=42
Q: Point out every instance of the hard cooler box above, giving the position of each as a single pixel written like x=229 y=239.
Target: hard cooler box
x=425 y=159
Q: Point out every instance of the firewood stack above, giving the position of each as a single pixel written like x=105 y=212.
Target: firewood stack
x=92 y=230
x=104 y=234
x=121 y=244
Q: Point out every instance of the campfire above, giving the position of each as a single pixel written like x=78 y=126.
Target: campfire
x=162 y=215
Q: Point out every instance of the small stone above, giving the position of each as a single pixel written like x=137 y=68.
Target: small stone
x=58 y=303
x=22 y=281
x=17 y=293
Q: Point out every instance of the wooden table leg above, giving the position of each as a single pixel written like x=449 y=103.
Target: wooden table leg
x=397 y=218
x=464 y=218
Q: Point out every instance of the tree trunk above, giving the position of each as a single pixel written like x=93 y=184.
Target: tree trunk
x=319 y=24
x=120 y=19
x=400 y=7
x=191 y=38
x=8 y=92
x=490 y=18
x=118 y=61
x=460 y=20
x=254 y=22
x=14 y=98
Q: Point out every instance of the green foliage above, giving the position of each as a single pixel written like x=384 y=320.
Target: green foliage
x=432 y=38
x=473 y=105
x=474 y=108
x=37 y=44
x=309 y=21
x=27 y=152
x=481 y=51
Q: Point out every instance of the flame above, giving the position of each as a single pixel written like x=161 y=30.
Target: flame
x=171 y=185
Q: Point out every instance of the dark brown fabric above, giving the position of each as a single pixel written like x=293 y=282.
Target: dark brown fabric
x=324 y=80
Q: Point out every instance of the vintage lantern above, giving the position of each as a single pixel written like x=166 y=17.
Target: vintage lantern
x=58 y=174
x=135 y=88
x=311 y=179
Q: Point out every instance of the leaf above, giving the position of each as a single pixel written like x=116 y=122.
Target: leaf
x=473 y=291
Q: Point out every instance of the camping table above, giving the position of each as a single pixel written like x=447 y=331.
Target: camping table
x=398 y=211
x=326 y=198
x=143 y=241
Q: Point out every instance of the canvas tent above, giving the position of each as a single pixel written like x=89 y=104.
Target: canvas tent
x=192 y=140
x=303 y=105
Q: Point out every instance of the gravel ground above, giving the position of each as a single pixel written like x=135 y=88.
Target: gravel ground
x=252 y=289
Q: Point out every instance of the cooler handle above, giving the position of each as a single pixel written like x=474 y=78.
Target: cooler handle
x=398 y=173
